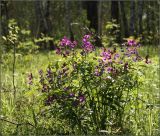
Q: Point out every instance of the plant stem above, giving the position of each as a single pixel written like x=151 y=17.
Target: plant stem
x=13 y=70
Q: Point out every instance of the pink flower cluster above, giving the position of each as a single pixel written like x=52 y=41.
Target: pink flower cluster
x=131 y=42
x=87 y=46
x=67 y=42
x=106 y=55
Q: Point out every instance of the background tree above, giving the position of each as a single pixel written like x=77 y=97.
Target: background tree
x=43 y=20
x=4 y=17
x=115 y=16
x=68 y=20
x=115 y=11
x=92 y=9
x=53 y=18
x=132 y=18
x=140 y=14
x=124 y=19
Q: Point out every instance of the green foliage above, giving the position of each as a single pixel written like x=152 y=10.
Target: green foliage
x=26 y=110
x=78 y=90
x=21 y=38
x=110 y=35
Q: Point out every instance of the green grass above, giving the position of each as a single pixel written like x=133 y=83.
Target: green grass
x=18 y=113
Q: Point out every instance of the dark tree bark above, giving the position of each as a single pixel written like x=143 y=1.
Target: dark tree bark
x=39 y=20
x=148 y=21
x=115 y=16
x=92 y=16
x=43 y=20
x=153 y=16
x=140 y=13
x=80 y=7
x=68 y=20
x=132 y=18
x=48 y=22
x=115 y=11
x=4 y=17
x=99 y=18
x=125 y=21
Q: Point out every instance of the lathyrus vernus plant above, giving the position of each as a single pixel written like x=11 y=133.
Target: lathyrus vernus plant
x=90 y=92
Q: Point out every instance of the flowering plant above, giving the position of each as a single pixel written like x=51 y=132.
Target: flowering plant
x=90 y=91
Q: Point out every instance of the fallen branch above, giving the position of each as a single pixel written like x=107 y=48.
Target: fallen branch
x=17 y=124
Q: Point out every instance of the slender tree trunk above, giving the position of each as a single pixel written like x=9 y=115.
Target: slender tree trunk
x=148 y=25
x=148 y=18
x=115 y=16
x=4 y=17
x=99 y=18
x=80 y=5
x=92 y=16
x=68 y=20
x=140 y=13
x=115 y=11
x=48 y=22
x=125 y=21
x=132 y=18
x=43 y=20
x=152 y=16
x=38 y=18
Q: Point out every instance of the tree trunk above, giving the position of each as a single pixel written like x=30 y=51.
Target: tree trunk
x=43 y=20
x=99 y=18
x=115 y=16
x=125 y=21
x=68 y=20
x=48 y=24
x=38 y=18
x=80 y=7
x=132 y=18
x=115 y=11
x=4 y=17
x=140 y=14
x=92 y=16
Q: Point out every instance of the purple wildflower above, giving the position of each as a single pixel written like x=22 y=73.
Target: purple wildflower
x=131 y=42
x=81 y=98
x=30 y=79
x=97 y=73
x=71 y=95
x=50 y=99
x=106 y=55
x=127 y=54
x=109 y=69
x=116 y=56
x=41 y=76
x=87 y=36
x=40 y=72
x=66 y=88
x=67 y=42
x=87 y=46
x=126 y=66
x=49 y=73
x=45 y=88
x=75 y=103
x=58 y=51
